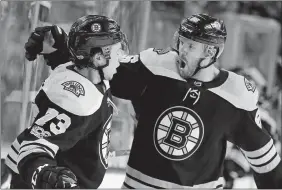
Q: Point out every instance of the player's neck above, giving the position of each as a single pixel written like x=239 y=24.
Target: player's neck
x=91 y=74
x=207 y=74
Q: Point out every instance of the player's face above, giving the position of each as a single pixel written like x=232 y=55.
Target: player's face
x=190 y=53
x=111 y=69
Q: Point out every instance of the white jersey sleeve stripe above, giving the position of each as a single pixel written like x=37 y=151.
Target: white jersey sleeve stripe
x=34 y=147
x=40 y=145
x=264 y=159
x=150 y=180
x=135 y=184
x=54 y=148
x=259 y=152
x=16 y=145
x=268 y=167
x=164 y=184
x=13 y=154
x=11 y=164
x=26 y=153
x=12 y=157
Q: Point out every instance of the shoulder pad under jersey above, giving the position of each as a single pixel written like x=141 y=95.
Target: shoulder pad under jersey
x=164 y=64
x=238 y=91
x=72 y=92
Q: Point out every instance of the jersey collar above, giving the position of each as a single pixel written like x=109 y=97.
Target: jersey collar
x=217 y=81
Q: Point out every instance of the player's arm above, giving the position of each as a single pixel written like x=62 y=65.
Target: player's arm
x=61 y=122
x=131 y=79
x=258 y=147
x=135 y=73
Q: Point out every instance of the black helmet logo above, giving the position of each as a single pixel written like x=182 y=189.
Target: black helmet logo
x=96 y=27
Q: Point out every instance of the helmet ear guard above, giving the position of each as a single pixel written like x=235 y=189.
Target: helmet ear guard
x=175 y=41
x=219 y=51
x=124 y=43
x=106 y=50
x=211 y=51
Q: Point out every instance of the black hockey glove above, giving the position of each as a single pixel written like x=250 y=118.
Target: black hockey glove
x=54 y=177
x=35 y=45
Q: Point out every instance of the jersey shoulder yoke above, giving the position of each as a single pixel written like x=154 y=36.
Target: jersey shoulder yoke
x=72 y=91
x=163 y=64
x=238 y=91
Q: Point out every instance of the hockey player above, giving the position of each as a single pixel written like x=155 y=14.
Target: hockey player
x=188 y=110
x=67 y=144
x=184 y=125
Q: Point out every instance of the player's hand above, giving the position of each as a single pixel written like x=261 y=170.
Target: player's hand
x=45 y=40
x=54 y=177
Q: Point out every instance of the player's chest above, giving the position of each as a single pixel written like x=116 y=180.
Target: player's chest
x=191 y=106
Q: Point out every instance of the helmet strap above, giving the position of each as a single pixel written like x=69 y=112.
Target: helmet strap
x=107 y=64
x=199 y=67
x=101 y=73
x=76 y=61
x=213 y=60
x=98 y=68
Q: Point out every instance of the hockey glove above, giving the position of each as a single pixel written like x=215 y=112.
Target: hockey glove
x=45 y=40
x=53 y=177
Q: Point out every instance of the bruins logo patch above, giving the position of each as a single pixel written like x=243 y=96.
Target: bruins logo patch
x=96 y=27
x=74 y=87
x=249 y=85
x=178 y=133
x=161 y=51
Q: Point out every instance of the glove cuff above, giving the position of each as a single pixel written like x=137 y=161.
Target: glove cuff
x=60 y=38
x=35 y=175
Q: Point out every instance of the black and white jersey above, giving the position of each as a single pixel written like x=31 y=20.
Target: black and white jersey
x=180 y=140
x=71 y=128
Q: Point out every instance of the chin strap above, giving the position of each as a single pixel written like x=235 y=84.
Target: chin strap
x=100 y=68
x=213 y=60
x=199 y=67
x=101 y=73
x=90 y=64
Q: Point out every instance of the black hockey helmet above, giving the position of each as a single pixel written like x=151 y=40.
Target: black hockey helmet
x=91 y=32
x=204 y=29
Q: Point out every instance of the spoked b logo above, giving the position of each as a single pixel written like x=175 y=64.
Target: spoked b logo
x=178 y=133
x=104 y=144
